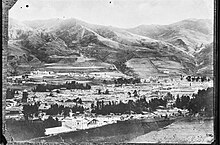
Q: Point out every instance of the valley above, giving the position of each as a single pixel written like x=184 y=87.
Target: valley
x=68 y=77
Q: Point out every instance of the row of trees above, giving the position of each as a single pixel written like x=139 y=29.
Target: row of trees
x=56 y=109
x=30 y=110
x=33 y=110
x=77 y=100
x=197 y=79
x=127 y=81
x=101 y=92
x=67 y=85
x=202 y=102
x=125 y=108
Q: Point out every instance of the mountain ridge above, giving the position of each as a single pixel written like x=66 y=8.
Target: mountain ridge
x=106 y=44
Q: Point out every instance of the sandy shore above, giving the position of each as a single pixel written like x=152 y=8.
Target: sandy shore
x=180 y=132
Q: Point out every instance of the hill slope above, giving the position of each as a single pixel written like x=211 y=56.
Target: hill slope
x=188 y=34
x=56 y=37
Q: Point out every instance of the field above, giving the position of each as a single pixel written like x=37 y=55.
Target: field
x=186 y=132
x=172 y=67
x=27 y=130
x=87 y=66
x=113 y=133
x=142 y=66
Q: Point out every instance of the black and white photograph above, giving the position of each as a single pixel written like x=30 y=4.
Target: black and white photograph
x=109 y=72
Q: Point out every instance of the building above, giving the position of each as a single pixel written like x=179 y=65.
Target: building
x=56 y=130
x=24 y=96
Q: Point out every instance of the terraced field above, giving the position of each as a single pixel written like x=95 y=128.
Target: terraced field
x=146 y=67
x=143 y=67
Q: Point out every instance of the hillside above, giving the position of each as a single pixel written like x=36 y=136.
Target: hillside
x=47 y=41
x=188 y=35
x=204 y=59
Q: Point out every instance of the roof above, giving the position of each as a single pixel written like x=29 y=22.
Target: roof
x=56 y=130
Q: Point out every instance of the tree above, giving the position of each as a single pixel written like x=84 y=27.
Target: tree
x=185 y=102
x=168 y=96
x=135 y=93
x=197 y=79
x=129 y=94
x=178 y=102
x=202 y=102
x=92 y=106
x=10 y=94
x=80 y=101
x=30 y=110
x=99 y=91
x=107 y=91
x=188 y=78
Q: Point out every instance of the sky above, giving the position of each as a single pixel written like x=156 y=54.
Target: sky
x=118 y=13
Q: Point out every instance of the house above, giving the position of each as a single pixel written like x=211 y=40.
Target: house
x=75 y=123
x=10 y=102
x=44 y=107
x=93 y=123
x=14 y=113
x=56 y=130
x=81 y=123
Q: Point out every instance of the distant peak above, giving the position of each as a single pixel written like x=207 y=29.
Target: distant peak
x=195 y=19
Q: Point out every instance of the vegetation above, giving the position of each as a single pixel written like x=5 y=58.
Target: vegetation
x=10 y=93
x=202 y=102
x=105 y=92
x=56 y=109
x=127 y=81
x=25 y=130
x=30 y=110
x=71 y=85
x=50 y=122
x=197 y=79
x=126 y=108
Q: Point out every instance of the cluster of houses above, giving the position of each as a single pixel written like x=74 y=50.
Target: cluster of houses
x=42 y=77
x=153 y=87
x=83 y=122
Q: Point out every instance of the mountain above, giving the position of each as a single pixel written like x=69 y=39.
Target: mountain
x=189 y=34
x=17 y=29
x=48 y=41
x=204 y=59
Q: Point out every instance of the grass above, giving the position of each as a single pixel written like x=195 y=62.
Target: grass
x=113 y=133
x=24 y=130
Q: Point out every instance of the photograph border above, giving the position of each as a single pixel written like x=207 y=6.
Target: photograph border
x=8 y=4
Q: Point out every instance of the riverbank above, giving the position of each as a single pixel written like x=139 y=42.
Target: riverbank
x=188 y=130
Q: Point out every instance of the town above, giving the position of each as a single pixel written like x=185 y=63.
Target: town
x=65 y=102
